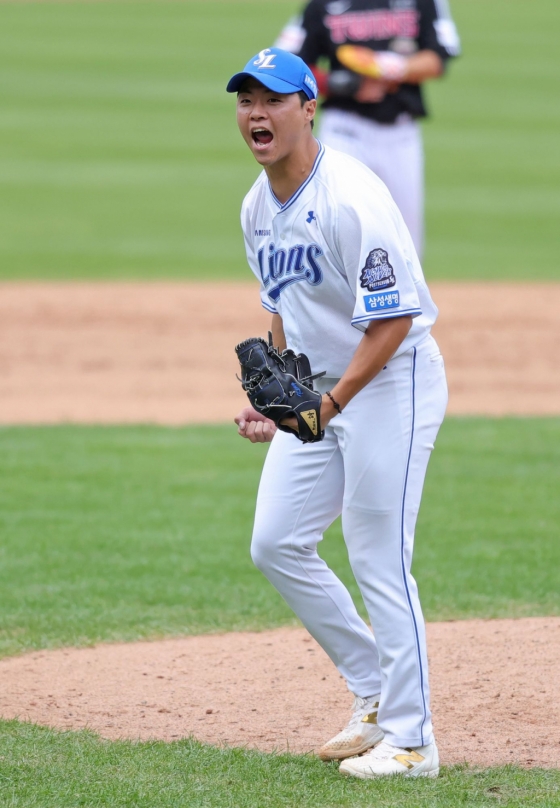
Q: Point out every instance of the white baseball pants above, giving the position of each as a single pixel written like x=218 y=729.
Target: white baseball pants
x=370 y=467
x=392 y=151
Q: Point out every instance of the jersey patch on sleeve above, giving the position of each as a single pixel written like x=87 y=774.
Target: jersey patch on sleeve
x=382 y=301
x=378 y=272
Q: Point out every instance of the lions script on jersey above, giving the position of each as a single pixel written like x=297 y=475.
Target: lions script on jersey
x=335 y=255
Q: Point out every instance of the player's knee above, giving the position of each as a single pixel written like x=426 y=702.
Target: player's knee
x=268 y=549
x=262 y=552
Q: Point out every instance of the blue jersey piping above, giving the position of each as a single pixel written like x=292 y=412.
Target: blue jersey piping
x=303 y=186
x=402 y=546
x=404 y=313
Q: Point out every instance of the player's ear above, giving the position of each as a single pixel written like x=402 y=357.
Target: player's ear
x=310 y=109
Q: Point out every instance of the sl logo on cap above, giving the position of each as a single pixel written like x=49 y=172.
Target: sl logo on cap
x=265 y=59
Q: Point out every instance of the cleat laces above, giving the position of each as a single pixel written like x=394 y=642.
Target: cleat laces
x=360 y=708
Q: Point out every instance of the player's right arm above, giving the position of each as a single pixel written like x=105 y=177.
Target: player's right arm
x=250 y=423
x=278 y=336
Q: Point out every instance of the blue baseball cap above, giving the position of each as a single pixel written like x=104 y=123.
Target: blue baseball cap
x=279 y=71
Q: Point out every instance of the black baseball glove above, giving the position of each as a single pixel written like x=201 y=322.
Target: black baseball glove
x=280 y=385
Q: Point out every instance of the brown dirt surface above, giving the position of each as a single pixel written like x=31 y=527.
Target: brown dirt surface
x=122 y=352
x=493 y=690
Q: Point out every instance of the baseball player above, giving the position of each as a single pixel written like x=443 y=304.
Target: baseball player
x=375 y=118
x=340 y=276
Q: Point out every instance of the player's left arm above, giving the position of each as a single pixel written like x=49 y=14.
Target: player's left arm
x=382 y=268
x=380 y=342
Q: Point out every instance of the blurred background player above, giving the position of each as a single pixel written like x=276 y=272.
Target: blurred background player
x=374 y=117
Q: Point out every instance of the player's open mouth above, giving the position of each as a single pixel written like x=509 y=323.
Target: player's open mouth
x=262 y=137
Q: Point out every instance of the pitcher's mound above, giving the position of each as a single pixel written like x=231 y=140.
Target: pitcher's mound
x=494 y=686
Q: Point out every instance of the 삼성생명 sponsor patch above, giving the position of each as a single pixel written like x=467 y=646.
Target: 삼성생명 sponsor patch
x=381 y=301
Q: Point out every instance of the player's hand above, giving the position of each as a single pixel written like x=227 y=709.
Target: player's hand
x=254 y=426
x=372 y=91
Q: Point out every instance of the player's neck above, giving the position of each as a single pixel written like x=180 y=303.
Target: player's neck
x=286 y=175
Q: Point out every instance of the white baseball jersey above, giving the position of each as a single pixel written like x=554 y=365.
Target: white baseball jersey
x=332 y=258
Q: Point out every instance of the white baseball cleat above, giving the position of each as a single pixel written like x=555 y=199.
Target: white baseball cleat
x=359 y=735
x=386 y=760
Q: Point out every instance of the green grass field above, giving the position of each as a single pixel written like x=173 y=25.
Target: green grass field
x=161 y=520
x=133 y=532
x=119 y=154
x=41 y=768
x=77 y=769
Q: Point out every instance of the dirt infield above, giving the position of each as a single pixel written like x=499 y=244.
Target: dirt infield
x=163 y=352
x=278 y=690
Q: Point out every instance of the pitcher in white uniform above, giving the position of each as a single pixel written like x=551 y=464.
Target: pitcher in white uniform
x=340 y=276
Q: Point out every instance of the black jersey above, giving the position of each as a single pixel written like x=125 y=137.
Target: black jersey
x=403 y=26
